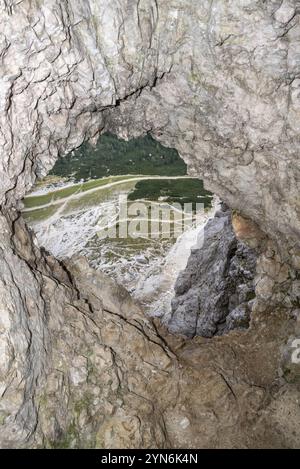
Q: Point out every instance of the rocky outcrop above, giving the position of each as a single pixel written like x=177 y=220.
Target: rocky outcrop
x=85 y=368
x=215 y=293
x=218 y=81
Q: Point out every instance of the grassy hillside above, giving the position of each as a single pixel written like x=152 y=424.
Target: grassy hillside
x=112 y=156
x=180 y=190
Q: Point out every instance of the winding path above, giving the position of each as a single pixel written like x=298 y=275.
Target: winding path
x=81 y=193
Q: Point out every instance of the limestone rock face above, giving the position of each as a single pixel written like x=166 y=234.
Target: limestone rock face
x=230 y=105
x=82 y=367
x=219 y=81
x=214 y=293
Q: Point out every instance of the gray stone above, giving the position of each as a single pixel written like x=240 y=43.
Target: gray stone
x=213 y=294
x=219 y=82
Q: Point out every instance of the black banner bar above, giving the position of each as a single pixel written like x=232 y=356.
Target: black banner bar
x=137 y=458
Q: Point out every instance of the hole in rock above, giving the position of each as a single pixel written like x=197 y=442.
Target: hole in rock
x=132 y=211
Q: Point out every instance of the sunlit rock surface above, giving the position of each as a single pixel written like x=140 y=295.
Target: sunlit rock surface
x=218 y=81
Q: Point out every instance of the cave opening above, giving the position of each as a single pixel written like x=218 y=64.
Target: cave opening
x=218 y=81
x=130 y=208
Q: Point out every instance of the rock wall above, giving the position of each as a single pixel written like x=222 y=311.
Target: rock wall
x=219 y=81
x=82 y=367
x=230 y=105
x=215 y=293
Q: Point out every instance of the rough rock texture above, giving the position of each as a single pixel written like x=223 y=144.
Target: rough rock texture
x=230 y=104
x=219 y=81
x=214 y=294
x=83 y=367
